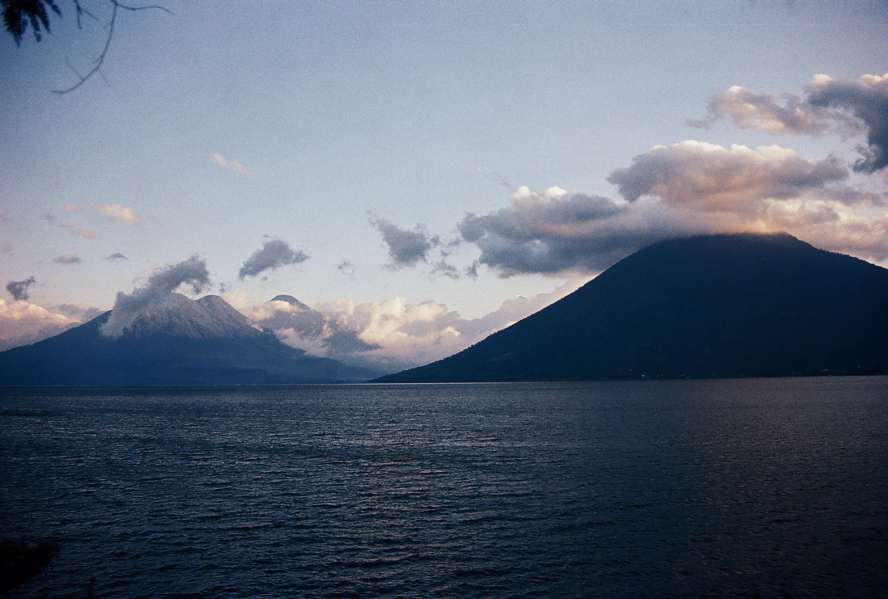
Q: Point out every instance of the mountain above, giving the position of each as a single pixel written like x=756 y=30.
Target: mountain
x=179 y=342
x=716 y=306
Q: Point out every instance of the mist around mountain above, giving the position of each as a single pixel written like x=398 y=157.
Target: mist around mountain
x=715 y=306
x=178 y=342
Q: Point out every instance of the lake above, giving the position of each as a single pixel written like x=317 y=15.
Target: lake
x=717 y=488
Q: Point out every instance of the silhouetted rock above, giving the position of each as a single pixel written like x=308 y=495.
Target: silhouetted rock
x=717 y=306
x=180 y=342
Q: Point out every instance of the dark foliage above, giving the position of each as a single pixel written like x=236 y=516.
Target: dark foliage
x=21 y=562
x=17 y=14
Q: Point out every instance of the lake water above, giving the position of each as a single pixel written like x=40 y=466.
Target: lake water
x=738 y=488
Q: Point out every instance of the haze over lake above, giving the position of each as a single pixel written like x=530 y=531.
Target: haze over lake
x=717 y=488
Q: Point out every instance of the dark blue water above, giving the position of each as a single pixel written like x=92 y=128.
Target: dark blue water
x=744 y=488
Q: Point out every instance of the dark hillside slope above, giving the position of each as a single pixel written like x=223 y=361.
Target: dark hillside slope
x=717 y=306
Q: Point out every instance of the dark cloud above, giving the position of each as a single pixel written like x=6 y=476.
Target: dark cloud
x=445 y=268
x=67 y=259
x=273 y=254
x=346 y=268
x=19 y=289
x=868 y=101
x=552 y=232
x=116 y=256
x=159 y=287
x=406 y=248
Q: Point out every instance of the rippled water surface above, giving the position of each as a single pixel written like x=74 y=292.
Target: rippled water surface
x=743 y=488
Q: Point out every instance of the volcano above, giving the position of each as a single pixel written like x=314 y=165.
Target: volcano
x=714 y=306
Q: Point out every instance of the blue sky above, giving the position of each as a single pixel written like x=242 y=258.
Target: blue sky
x=393 y=158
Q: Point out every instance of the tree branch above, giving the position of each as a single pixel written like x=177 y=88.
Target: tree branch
x=111 y=23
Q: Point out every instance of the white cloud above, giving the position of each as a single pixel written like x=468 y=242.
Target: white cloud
x=233 y=165
x=119 y=214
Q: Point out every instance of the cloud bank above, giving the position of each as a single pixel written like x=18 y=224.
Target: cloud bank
x=159 y=287
x=389 y=335
x=273 y=254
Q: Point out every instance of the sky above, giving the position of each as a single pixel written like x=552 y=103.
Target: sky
x=419 y=174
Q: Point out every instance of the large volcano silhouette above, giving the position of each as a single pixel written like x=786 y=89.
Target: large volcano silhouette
x=179 y=342
x=717 y=306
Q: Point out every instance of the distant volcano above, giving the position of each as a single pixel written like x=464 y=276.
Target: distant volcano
x=179 y=342
x=717 y=306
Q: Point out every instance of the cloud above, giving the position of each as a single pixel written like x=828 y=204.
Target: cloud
x=86 y=232
x=19 y=289
x=68 y=208
x=347 y=268
x=848 y=107
x=22 y=323
x=159 y=287
x=119 y=214
x=868 y=101
x=405 y=248
x=273 y=254
x=116 y=256
x=709 y=177
x=750 y=109
x=67 y=259
x=233 y=165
